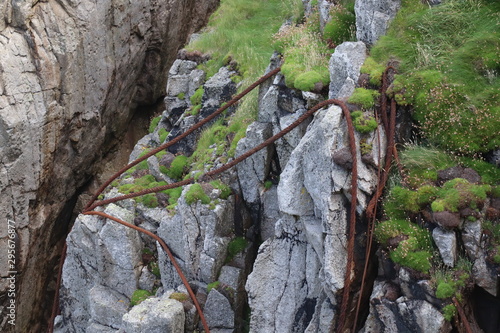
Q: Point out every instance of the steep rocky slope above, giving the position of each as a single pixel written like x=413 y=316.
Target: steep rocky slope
x=71 y=75
x=264 y=245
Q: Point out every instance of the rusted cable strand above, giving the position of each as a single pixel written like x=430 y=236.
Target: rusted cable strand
x=180 y=137
x=169 y=253
x=90 y=205
x=55 y=305
x=371 y=209
x=462 y=316
x=352 y=221
x=369 y=237
x=382 y=175
x=230 y=164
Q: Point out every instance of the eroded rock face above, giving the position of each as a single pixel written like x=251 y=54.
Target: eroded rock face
x=300 y=269
x=344 y=67
x=71 y=74
x=373 y=18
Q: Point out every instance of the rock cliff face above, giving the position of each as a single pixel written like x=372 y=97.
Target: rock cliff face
x=71 y=74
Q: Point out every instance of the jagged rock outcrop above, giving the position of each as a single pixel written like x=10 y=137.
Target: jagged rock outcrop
x=373 y=18
x=216 y=90
x=71 y=74
x=298 y=270
x=344 y=67
x=401 y=314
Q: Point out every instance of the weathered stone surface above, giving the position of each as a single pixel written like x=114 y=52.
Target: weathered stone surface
x=107 y=307
x=403 y=315
x=231 y=276
x=217 y=90
x=270 y=212
x=281 y=106
x=447 y=219
x=218 y=311
x=373 y=18
x=469 y=174
x=344 y=68
x=446 y=243
x=253 y=171
x=155 y=315
x=279 y=281
x=72 y=74
x=102 y=254
x=198 y=237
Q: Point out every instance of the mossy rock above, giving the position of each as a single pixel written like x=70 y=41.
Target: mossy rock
x=309 y=81
x=154 y=123
x=198 y=94
x=138 y=296
x=196 y=193
x=365 y=98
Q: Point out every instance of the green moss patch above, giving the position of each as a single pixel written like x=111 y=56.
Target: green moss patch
x=235 y=246
x=366 y=98
x=154 y=123
x=196 y=193
x=363 y=122
x=413 y=250
x=342 y=26
x=138 y=296
x=459 y=193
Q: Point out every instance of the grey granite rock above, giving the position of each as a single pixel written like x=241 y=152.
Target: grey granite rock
x=155 y=315
x=218 y=311
x=373 y=18
x=344 y=67
x=446 y=243
x=253 y=171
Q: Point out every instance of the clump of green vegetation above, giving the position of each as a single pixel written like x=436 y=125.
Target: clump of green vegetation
x=445 y=289
x=154 y=123
x=154 y=268
x=366 y=98
x=423 y=164
x=177 y=167
x=342 y=26
x=148 y=200
x=305 y=53
x=363 y=122
x=307 y=81
x=163 y=133
x=198 y=94
x=408 y=200
x=181 y=297
x=225 y=190
x=449 y=311
x=448 y=70
x=374 y=69
x=459 y=193
x=212 y=285
x=268 y=184
x=235 y=246
x=181 y=95
x=138 y=296
x=414 y=250
x=196 y=193
x=173 y=196
x=243 y=30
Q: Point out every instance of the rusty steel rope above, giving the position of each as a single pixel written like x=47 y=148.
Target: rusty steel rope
x=462 y=315
x=232 y=163
x=170 y=255
x=383 y=173
x=90 y=205
x=182 y=136
x=55 y=305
